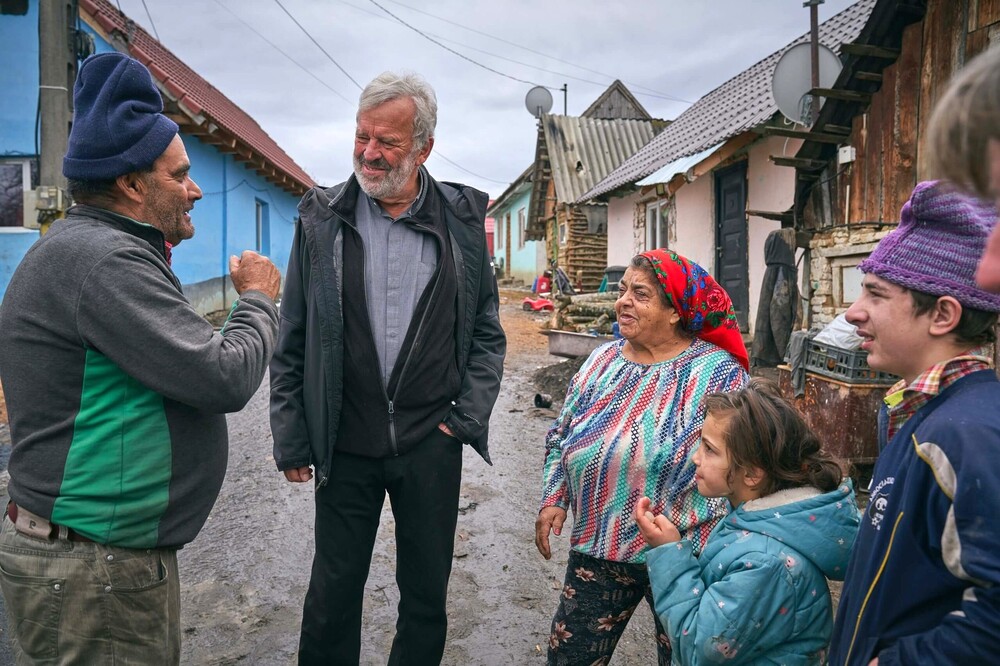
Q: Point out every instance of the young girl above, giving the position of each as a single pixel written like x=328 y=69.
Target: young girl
x=757 y=594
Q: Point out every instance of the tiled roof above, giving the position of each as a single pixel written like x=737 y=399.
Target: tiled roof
x=208 y=108
x=582 y=151
x=739 y=104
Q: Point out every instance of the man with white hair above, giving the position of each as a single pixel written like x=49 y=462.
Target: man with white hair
x=389 y=358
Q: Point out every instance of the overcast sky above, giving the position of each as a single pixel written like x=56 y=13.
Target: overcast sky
x=668 y=52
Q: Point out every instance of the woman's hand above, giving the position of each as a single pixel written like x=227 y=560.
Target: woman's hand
x=655 y=530
x=551 y=518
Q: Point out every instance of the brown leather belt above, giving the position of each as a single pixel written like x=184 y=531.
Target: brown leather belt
x=53 y=528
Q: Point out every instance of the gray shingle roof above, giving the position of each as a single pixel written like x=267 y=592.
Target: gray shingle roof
x=739 y=104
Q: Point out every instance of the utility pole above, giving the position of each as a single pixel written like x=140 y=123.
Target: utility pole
x=813 y=6
x=56 y=74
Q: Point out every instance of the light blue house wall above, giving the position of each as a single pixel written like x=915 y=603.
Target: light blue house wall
x=14 y=243
x=18 y=107
x=523 y=259
x=225 y=219
x=18 y=82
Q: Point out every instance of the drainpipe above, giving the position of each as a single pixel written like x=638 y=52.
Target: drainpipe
x=225 y=230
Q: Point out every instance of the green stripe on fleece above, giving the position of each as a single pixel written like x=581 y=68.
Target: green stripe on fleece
x=116 y=483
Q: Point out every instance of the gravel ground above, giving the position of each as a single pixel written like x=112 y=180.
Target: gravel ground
x=244 y=577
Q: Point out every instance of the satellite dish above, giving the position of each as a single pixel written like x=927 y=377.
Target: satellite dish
x=538 y=101
x=792 y=80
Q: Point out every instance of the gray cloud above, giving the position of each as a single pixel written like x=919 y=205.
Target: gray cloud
x=679 y=48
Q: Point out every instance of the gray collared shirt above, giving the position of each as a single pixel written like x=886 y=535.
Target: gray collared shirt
x=399 y=264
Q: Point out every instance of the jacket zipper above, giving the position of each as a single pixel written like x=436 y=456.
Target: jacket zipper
x=381 y=379
x=392 y=428
x=420 y=328
x=324 y=474
x=871 y=588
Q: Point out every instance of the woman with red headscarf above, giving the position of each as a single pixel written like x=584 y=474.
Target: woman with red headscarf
x=631 y=421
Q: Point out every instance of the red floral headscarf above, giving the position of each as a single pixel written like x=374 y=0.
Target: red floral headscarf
x=704 y=306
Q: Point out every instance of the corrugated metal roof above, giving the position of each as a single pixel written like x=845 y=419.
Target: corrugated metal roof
x=582 y=151
x=664 y=174
x=741 y=103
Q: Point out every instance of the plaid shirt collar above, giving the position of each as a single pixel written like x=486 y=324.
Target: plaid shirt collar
x=904 y=400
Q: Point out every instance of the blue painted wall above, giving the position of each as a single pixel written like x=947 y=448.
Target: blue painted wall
x=225 y=219
x=18 y=82
x=14 y=243
x=526 y=262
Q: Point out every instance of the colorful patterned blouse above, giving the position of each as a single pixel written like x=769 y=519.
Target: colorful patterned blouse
x=629 y=430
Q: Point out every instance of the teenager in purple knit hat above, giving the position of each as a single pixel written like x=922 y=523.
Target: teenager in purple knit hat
x=923 y=584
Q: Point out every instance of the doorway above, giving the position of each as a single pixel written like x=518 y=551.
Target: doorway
x=732 y=262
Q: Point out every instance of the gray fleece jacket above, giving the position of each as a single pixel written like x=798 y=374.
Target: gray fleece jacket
x=116 y=388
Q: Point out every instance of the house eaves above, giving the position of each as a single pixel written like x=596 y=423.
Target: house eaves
x=516 y=188
x=738 y=105
x=678 y=167
x=196 y=105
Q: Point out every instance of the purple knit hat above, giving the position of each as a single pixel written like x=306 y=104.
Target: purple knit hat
x=937 y=246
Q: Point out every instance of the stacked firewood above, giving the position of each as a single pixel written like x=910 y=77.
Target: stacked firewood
x=584 y=313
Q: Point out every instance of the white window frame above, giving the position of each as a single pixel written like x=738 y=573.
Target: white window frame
x=657 y=225
x=522 y=228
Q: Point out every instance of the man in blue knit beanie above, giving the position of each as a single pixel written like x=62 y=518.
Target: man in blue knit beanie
x=117 y=389
x=923 y=583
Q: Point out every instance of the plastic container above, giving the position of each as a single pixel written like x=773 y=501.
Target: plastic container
x=614 y=274
x=847 y=365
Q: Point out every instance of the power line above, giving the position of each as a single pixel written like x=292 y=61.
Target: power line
x=320 y=80
x=450 y=50
x=563 y=74
x=150 y=17
x=634 y=86
x=471 y=173
x=278 y=2
x=279 y=50
x=338 y=94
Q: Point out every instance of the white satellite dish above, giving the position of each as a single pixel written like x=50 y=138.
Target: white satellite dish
x=538 y=101
x=792 y=80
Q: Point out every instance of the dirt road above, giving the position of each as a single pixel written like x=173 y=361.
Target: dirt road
x=244 y=578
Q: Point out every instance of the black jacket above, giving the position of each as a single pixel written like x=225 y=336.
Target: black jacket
x=307 y=368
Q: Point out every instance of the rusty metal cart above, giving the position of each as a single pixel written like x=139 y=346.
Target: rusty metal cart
x=841 y=403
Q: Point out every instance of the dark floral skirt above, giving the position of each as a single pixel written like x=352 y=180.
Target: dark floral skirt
x=597 y=600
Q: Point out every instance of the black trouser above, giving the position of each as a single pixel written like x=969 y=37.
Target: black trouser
x=423 y=487
x=596 y=603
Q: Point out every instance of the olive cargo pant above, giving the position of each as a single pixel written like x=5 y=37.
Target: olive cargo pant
x=71 y=602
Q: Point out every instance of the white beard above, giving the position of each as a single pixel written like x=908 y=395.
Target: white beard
x=391 y=183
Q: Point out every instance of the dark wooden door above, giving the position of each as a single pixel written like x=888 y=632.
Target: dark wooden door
x=732 y=263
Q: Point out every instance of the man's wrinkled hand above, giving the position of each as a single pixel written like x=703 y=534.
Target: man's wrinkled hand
x=299 y=474
x=253 y=272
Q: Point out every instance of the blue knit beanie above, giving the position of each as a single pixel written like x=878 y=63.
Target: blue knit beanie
x=118 y=124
